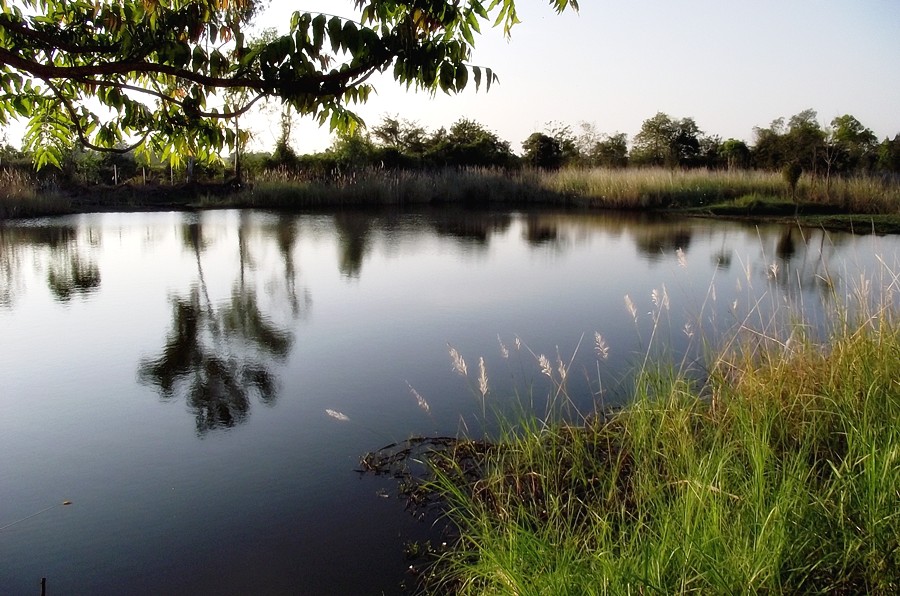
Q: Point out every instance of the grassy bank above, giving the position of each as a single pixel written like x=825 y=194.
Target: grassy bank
x=779 y=474
x=664 y=188
x=653 y=188
x=723 y=193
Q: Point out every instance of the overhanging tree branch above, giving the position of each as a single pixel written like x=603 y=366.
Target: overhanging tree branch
x=173 y=53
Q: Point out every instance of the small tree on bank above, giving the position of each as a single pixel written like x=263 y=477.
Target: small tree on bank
x=791 y=176
x=542 y=151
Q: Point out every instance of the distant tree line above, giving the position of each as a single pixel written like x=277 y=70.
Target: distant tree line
x=844 y=147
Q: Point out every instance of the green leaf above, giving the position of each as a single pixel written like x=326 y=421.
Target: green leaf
x=334 y=33
x=318 y=31
x=462 y=77
x=446 y=77
x=351 y=37
x=181 y=54
x=198 y=58
x=467 y=34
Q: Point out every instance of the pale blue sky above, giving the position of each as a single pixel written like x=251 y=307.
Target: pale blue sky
x=729 y=65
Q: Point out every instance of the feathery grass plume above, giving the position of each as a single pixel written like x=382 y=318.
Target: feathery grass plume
x=504 y=352
x=482 y=378
x=688 y=329
x=338 y=415
x=518 y=343
x=632 y=309
x=544 y=363
x=682 y=261
x=459 y=365
x=660 y=298
x=419 y=399
x=600 y=346
x=773 y=270
x=561 y=367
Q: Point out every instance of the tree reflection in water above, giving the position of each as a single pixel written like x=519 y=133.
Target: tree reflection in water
x=657 y=239
x=353 y=232
x=471 y=226
x=218 y=357
x=540 y=231
x=71 y=270
x=71 y=274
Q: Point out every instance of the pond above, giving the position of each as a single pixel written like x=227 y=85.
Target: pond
x=200 y=386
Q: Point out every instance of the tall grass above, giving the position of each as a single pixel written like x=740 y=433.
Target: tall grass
x=778 y=474
x=376 y=187
x=659 y=187
x=634 y=188
x=20 y=196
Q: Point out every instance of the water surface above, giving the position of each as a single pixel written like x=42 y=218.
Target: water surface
x=171 y=374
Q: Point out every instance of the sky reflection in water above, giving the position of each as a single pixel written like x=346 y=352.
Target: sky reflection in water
x=171 y=374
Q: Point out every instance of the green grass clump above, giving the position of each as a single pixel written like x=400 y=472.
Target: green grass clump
x=781 y=474
x=755 y=204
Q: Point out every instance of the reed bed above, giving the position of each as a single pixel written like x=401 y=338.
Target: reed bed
x=779 y=473
x=659 y=187
x=377 y=187
x=21 y=196
x=634 y=188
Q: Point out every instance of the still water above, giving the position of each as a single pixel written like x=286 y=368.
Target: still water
x=200 y=386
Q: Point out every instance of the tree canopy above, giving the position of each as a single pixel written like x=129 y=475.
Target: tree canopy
x=167 y=75
x=664 y=140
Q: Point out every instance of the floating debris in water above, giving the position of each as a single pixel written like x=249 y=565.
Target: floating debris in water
x=338 y=415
